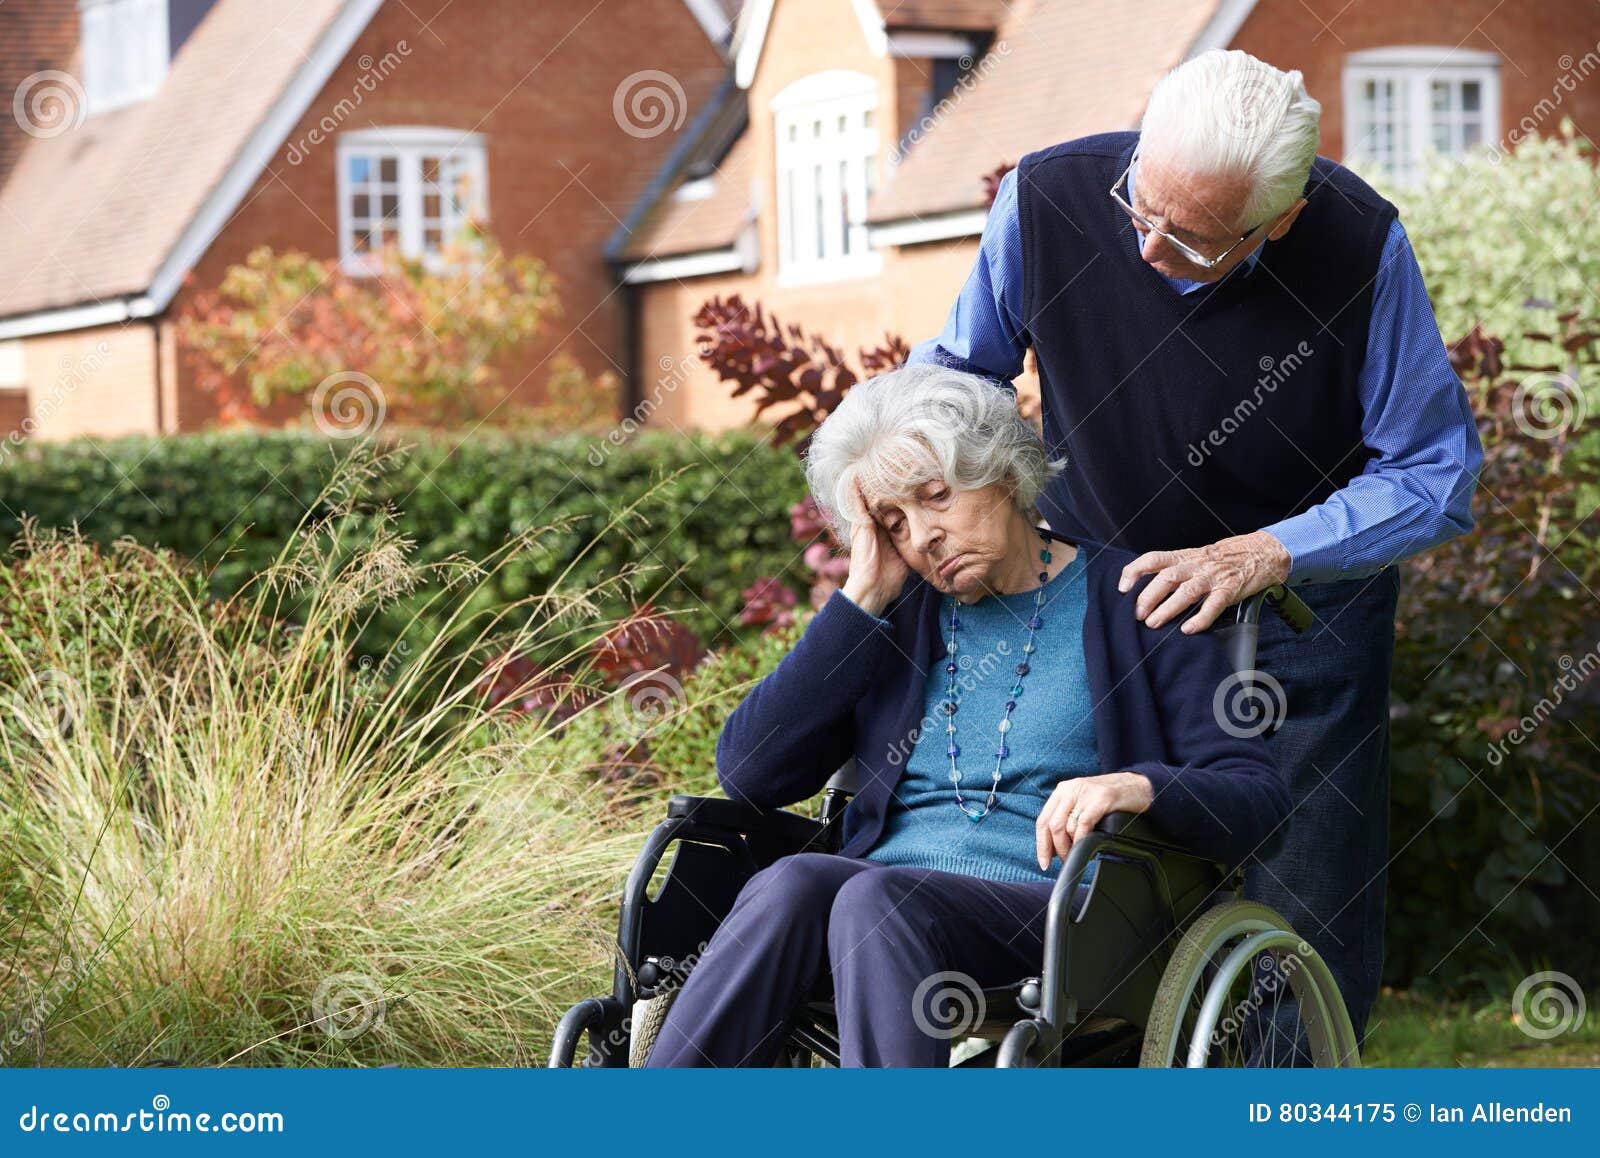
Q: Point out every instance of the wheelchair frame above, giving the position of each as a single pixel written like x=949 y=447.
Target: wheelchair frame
x=1086 y=1007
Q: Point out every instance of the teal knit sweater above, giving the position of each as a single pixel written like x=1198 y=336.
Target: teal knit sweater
x=1052 y=738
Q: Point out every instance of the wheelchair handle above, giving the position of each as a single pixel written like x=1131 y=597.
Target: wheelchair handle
x=1284 y=602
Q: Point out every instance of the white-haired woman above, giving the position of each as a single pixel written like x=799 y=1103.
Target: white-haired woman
x=999 y=698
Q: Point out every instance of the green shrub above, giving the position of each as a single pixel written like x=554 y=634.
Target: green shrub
x=716 y=519
x=1495 y=230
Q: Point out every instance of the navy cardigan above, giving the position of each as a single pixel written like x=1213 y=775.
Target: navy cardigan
x=854 y=686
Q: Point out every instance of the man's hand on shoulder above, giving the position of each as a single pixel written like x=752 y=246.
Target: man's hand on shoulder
x=1221 y=575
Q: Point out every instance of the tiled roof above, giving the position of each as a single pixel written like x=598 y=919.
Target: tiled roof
x=91 y=214
x=951 y=15
x=1055 y=71
x=677 y=226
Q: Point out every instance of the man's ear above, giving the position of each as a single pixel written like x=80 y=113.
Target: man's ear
x=1286 y=221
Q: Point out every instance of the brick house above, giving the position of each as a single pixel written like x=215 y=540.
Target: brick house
x=842 y=187
x=823 y=157
x=157 y=142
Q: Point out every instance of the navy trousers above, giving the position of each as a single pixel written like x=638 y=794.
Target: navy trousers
x=902 y=952
x=1329 y=878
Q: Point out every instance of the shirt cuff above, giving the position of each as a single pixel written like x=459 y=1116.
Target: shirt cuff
x=1315 y=556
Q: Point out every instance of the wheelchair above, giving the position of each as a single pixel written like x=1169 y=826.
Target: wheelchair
x=1151 y=959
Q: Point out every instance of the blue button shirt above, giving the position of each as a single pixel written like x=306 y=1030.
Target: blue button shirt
x=1417 y=491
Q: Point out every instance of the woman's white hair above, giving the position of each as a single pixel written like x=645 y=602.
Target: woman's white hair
x=917 y=424
x=1225 y=113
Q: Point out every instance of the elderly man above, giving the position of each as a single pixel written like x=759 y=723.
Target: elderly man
x=1238 y=357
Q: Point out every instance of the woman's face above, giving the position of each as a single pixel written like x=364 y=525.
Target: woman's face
x=955 y=539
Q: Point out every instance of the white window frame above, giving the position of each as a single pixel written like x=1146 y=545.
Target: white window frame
x=462 y=156
x=126 y=50
x=1413 y=70
x=13 y=365
x=840 y=250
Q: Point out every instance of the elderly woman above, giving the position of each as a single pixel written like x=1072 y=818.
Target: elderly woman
x=999 y=698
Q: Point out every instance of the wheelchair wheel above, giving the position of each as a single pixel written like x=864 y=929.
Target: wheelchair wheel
x=649 y=1015
x=1221 y=1001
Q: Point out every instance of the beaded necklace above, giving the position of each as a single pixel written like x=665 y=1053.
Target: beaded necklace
x=953 y=696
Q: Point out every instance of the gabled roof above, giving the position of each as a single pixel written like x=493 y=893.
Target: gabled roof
x=103 y=222
x=703 y=196
x=1053 y=71
x=115 y=212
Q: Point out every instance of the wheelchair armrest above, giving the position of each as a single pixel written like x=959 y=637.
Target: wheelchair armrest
x=1134 y=826
x=789 y=828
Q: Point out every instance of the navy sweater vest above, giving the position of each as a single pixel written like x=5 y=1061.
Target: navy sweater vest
x=1186 y=418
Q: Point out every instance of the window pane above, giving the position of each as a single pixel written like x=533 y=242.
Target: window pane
x=391 y=205
x=791 y=236
x=430 y=204
x=1441 y=96
x=817 y=195
x=360 y=168
x=1471 y=134
x=1471 y=94
x=388 y=169
x=362 y=205
x=430 y=169
x=844 y=204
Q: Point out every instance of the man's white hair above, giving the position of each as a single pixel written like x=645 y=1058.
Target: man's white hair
x=1227 y=114
x=922 y=423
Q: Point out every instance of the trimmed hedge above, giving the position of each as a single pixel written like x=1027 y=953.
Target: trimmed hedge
x=230 y=499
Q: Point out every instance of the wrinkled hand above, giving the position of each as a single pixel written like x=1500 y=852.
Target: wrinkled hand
x=1222 y=574
x=1077 y=805
x=877 y=571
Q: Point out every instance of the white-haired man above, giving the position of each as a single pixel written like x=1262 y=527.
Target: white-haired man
x=1239 y=360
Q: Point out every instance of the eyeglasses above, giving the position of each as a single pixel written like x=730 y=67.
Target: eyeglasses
x=1188 y=251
